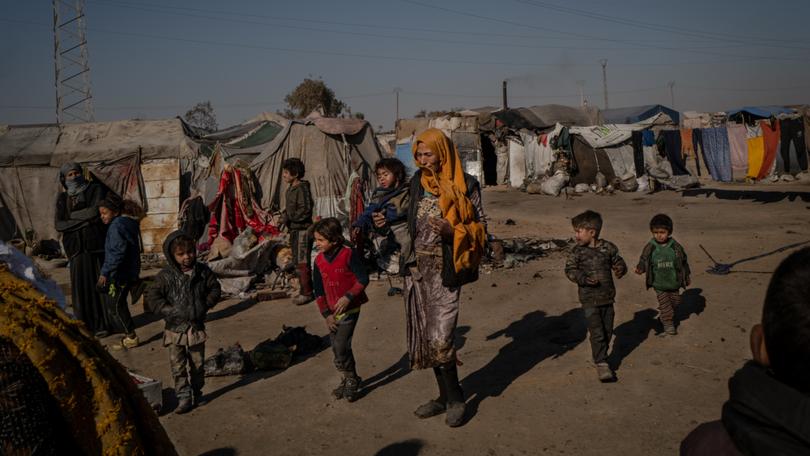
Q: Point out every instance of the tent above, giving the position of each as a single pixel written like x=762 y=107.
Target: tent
x=759 y=112
x=332 y=151
x=141 y=159
x=543 y=117
x=636 y=114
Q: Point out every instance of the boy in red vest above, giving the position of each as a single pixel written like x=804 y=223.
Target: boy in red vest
x=339 y=281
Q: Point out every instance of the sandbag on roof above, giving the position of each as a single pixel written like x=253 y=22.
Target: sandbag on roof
x=635 y=114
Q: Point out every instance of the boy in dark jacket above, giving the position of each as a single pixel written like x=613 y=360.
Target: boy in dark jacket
x=182 y=293
x=122 y=260
x=768 y=410
x=298 y=218
x=590 y=265
x=340 y=281
x=664 y=262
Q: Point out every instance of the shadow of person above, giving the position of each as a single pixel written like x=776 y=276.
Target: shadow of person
x=692 y=302
x=535 y=337
x=402 y=366
x=227 y=451
x=631 y=334
x=410 y=447
x=225 y=312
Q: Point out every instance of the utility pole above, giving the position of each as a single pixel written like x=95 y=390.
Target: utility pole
x=74 y=102
x=397 y=90
x=603 y=62
x=671 y=85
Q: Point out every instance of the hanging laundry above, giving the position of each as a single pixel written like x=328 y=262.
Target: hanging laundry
x=792 y=131
x=672 y=148
x=756 y=150
x=688 y=151
x=638 y=152
x=649 y=138
x=739 y=147
x=716 y=152
x=770 y=135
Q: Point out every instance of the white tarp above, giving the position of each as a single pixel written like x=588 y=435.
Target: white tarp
x=517 y=163
x=598 y=136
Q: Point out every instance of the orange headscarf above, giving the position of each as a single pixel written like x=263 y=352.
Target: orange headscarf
x=449 y=186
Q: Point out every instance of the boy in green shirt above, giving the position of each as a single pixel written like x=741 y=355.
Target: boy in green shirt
x=664 y=262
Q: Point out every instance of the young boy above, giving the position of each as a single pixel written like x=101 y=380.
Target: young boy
x=340 y=281
x=664 y=262
x=589 y=265
x=390 y=203
x=182 y=293
x=122 y=260
x=298 y=218
x=768 y=410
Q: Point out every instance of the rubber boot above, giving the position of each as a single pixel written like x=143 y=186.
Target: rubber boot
x=305 y=280
x=456 y=408
x=435 y=406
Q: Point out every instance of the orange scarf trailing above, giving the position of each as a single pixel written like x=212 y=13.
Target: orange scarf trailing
x=449 y=186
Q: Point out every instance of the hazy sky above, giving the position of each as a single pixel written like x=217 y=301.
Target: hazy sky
x=155 y=59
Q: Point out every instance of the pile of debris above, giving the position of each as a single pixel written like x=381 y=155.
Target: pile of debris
x=516 y=252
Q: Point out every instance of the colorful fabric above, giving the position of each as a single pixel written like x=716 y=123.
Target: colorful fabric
x=338 y=274
x=716 y=153
x=770 y=134
x=234 y=209
x=739 y=147
x=450 y=187
x=687 y=146
x=756 y=155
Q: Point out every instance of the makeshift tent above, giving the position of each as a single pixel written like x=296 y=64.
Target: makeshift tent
x=758 y=112
x=332 y=151
x=613 y=134
x=542 y=117
x=636 y=114
x=139 y=158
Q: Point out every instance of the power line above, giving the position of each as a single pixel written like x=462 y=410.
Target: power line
x=530 y=26
x=370 y=56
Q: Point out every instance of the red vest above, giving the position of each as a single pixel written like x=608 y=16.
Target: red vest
x=338 y=279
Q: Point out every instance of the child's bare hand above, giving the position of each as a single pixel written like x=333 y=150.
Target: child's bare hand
x=341 y=305
x=102 y=281
x=637 y=271
x=379 y=219
x=591 y=281
x=688 y=282
x=331 y=324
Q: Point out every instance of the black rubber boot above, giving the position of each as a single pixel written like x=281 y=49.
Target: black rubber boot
x=456 y=408
x=435 y=406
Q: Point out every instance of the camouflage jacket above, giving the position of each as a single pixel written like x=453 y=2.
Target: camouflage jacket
x=595 y=263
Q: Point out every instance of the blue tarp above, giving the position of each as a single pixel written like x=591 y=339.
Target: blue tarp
x=635 y=114
x=405 y=155
x=760 y=112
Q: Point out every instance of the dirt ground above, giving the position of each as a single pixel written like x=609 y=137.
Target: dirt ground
x=527 y=369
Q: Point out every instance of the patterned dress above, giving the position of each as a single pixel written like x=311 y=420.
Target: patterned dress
x=431 y=308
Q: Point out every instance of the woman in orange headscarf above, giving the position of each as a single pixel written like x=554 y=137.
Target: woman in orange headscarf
x=446 y=225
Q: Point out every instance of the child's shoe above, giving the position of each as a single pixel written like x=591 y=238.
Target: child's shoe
x=605 y=373
x=455 y=414
x=185 y=406
x=670 y=330
x=429 y=409
x=338 y=392
x=130 y=342
x=351 y=391
x=302 y=299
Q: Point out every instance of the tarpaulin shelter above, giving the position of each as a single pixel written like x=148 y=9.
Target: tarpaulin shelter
x=758 y=112
x=139 y=158
x=543 y=117
x=635 y=114
x=332 y=151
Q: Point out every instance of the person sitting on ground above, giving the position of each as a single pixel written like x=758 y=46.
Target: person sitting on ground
x=182 y=293
x=340 y=280
x=589 y=265
x=768 y=410
x=389 y=203
x=664 y=261
x=122 y=260
x=298 y=219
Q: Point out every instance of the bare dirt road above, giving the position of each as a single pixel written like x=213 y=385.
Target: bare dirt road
x=526 y=367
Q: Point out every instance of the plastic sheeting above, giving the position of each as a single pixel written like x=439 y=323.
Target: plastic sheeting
x=614 y=134
x=328 y=160
x=517 y=163
x=635 y=114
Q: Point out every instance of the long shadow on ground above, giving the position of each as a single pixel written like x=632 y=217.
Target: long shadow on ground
x=231 y=310
x=631 y=334
x=405 y=448
x=758 y=196
x=402 y=367
x=535 y=338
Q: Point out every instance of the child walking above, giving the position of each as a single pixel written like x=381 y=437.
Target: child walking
x=340 y=280
x=298 y=218
x=182 y=293
x=122 y=261
x=664 y=261
x=385 y=218
x=590 y=265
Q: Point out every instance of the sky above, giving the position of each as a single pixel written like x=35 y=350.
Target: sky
x=155 y=59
